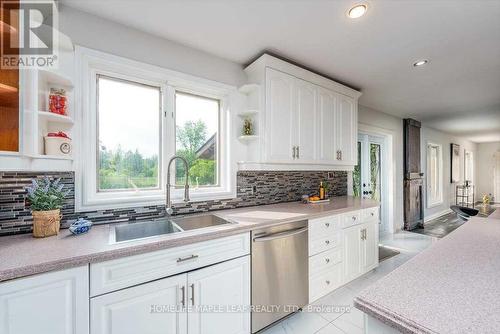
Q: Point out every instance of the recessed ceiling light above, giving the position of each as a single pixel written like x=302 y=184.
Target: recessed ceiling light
x=420 y=62
x=357 y=11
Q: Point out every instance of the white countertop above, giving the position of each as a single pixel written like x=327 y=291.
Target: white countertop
x=451 y=287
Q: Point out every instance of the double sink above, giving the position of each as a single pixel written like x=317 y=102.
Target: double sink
x=152 y=228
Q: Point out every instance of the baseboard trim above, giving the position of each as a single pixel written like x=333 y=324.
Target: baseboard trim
x=436 y=215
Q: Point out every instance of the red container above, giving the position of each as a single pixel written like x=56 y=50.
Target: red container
x=57 y=101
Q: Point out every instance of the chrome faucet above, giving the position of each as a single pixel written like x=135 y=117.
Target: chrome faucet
x=186 y=185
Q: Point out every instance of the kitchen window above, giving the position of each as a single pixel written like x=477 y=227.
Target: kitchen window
x=434 y=175
x=129 y=129
x=135 y=117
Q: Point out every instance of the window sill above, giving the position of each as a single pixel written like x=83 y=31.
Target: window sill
x=152 y=200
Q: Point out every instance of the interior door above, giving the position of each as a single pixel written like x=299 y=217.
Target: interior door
x=222 y=285
x=279 y=110
x=346 y=130
x=306 y=114
x=368 y=179
x=327 y=121
x=151 y=308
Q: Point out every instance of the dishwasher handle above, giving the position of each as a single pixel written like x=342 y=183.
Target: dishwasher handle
x=280 y=235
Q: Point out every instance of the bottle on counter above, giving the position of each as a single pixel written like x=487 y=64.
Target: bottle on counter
x=321 y=191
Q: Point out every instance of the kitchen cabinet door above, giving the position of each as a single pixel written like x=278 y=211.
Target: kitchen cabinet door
x=279 y=116
x=151 y=308
x=55 y=303
x=306 y=121
x=352 y=252
x=222 y=285
x=347 y=129
x=370 y=246
x=327 y=105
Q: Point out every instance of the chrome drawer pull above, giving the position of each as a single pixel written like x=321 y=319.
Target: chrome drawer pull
x=327 y=224
x=182 y=259
x=327 y=282
x=192 y=294
x=183 y=301
x=327 y=260
x=372 y=214
x=353 y=217
x=327 y=242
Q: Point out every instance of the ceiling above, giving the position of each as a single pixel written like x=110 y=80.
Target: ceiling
x=458 y=91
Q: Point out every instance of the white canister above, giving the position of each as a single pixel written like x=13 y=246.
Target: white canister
x=57 y=146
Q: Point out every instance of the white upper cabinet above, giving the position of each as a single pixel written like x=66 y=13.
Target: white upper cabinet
x=309 y=123
x=306 y=118
x=327 y=120
x=346 y=129
x=279 y=103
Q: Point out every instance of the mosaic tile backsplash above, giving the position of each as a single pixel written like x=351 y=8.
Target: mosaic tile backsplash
x=253 y=188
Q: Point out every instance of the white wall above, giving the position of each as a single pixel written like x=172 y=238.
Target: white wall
x=391 y=125
x=484 y=168
x=97 y=33
x=430 y=135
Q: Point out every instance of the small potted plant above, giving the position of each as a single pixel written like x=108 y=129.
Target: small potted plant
x=46 y=198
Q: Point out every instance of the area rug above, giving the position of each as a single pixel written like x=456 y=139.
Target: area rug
x=441 y=226
x=385 y=253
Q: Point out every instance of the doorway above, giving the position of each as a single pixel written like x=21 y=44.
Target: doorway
x=370 y=174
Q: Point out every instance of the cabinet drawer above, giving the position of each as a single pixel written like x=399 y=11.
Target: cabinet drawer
x=322 y=227
x=351 y=218
x=370 y=214
x=324 y=261
x=324 y=283
x=325 y=243
x=121 y=273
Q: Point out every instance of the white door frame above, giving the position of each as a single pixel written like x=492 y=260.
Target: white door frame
x=387 y=174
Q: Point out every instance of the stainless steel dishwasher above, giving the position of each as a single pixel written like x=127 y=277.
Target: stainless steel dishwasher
x=279 y=272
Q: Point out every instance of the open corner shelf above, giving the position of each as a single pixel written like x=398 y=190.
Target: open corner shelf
x=50 y=157
x=248 y=88
x=248 y=138
x=52 y=117
x=248 y=113
x=56 y=78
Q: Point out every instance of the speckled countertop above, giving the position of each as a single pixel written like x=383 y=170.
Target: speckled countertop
x=451 y=287
x=23 y=255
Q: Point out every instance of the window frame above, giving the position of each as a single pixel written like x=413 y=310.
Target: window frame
x=433 y=202
x=89 y=64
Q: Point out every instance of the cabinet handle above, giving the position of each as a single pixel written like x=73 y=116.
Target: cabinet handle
x=327 y=260
x=191 y=257
x=361 y=235
x=327 y=242
x=340 y=155
x=293 y=150
x=183 y=297
x=327 y=224
x=298 y=152
x=353 y=217
x=192 y=294
x=327 y=282
x=373 y=214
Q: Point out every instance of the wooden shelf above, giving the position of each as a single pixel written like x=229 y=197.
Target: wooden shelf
x=56 y=78
x=248 y=88
x=56 y=118
x=248 y=138
x=7 y=88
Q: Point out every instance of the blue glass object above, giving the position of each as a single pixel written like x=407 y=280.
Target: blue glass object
x=80 y=226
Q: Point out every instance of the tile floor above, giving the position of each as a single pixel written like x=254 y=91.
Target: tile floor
x=317 y=320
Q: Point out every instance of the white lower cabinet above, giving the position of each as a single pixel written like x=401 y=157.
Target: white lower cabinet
x=361 y=249
x=351 y=250
x=55 y=303
x=150 y=308
x=193 y=302
x=224 y=287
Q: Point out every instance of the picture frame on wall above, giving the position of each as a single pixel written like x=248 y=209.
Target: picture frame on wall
x=455 y=163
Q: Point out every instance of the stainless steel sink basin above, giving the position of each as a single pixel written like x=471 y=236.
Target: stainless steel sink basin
x=147 y=229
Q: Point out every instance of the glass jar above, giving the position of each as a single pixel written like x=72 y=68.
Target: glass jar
x=57 y=101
